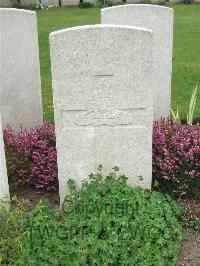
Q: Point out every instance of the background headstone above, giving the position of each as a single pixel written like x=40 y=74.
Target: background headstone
x=20 y=85
x=4 y=188
x=133 y=1
x=176 y=1
x=46 y=3
x=93 y=2
x=102 y=89
x=50 y=3
x=28 y=3
x=160 y=21
x=5 y=3
x=71 y=3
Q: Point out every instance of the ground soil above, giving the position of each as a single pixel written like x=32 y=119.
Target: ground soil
x=33 y=196
x=190 y=251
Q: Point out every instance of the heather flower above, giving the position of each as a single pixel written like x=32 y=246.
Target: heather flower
x=37 y=147
x=176 y=151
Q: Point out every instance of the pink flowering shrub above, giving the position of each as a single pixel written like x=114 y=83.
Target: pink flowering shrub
x=31 y=156
x=176 y=151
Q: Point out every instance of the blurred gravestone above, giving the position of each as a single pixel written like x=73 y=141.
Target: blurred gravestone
x=160 y=21
x=20 y=86
x=70 y=3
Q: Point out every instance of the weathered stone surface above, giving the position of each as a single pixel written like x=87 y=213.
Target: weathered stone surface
x=94 y=2
x=4 y=188
x=160 y=21
x=133 y=1
x=70 y=2
x=28 y=3
x=102 y=88
x=20 y=88
x=46 y=3
x=176 y=1
x=5 y=3
x=50 y=3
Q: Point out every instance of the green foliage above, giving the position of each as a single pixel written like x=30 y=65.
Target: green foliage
x=104 y=3
x=44 y=243
x=11 y=234
x=162 y=2
x=106 y=222
x=38 y=5
x=192 y=106
x=16 y=3
x=191 y=109
x=194 y=186
x=187 y=2
x=146 y=2
x=86 y=5
x=195 y=224
x=175 y=115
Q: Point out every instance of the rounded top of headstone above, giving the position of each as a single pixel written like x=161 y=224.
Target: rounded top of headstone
x=100 y=26
x=141 y=6
x=17 y=10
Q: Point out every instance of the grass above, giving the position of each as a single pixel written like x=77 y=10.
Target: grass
x=186 y=57
x=186 y=53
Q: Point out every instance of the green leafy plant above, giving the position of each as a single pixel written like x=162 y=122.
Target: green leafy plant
x=187 y=2
x=86 y=5
x=195 y=224
x=104 y=3
x=38 y=5
x=192 y=105
x=16 y=3
x=146 y=2
x=11 y=233
x=106 y=222
x=162 y=2
x=191 y=110
x=175 y=115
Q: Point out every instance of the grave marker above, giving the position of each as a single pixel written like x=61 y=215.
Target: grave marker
x=160 y=21
x=102 y=89
x=20 y=86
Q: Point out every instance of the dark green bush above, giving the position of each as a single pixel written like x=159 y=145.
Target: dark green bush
x=105 y=3
x=106 y=222
x=86 y=5
x=187 y=2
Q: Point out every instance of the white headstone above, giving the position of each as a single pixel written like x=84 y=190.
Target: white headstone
x=5 y=3
x=20 y=86
x=133 y=1
x=27 y=3
x=50 y=3
x=160 y=21
x=102 y=88
x=70 y=3
x=4 y=188
x=176 y=1
x=93 y=2
x=46 y=3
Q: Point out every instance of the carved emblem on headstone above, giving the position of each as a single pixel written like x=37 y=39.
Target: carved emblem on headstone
x=103 y=112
